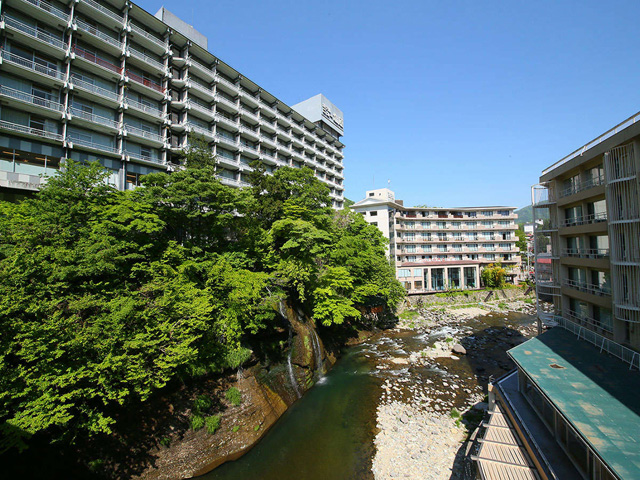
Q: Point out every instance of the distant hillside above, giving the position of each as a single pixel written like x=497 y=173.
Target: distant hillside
x=525 y=214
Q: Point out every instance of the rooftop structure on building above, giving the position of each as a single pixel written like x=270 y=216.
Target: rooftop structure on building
x=437 y=249
x=573 y=399
x=105 y=80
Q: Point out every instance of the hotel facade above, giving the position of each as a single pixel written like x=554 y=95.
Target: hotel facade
x=107 y=81
x=439 y=249
x=571 y=408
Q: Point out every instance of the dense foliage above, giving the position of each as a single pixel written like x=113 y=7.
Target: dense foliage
x=107 y=296
x=493 y=276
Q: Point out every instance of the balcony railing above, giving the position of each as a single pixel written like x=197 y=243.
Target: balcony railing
x=90 y=57
x=148 y=36
x=139 y=132
x=145 y=81
x=201 y=108
x=143 y=107
x=200 y=130
x=91 y=30
x=33 y=32
x=47 y=7
x=104 y=10
x=146 y=59
x=589 y=322
x=586 y=252
x=32 y=65
x=251 y=148
x=92 y=145
x=90 y=117
x=228 y=141
x=200 y=66
x=144 y=158
x=585 y=219
x=29 y=98
x=232 y=181
x=16 y=127
x=601 y=290
x=90 y=87
x=221 y=99
x=202 y=88
x=221 y=118
x=583 y=185
x=226 y=82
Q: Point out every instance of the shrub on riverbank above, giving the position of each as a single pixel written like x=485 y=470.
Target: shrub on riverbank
x=234 y=396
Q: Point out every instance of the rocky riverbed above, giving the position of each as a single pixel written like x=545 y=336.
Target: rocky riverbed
x=426 y=414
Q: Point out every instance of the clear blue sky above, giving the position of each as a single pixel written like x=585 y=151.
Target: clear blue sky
x=456 y=102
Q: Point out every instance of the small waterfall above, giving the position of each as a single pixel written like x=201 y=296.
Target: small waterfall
x=292 y=377
x=318 y=352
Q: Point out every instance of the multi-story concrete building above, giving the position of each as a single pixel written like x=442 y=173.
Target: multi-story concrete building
x=572 y=404
x=438 y=249
x=105 y=80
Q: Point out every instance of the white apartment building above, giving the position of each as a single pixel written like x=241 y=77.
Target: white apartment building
x=105 y=80
x=438 y=249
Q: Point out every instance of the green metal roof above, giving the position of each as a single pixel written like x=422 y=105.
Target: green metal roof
x=595 y=392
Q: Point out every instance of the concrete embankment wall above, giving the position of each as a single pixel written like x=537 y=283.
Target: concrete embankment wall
x=478 y=296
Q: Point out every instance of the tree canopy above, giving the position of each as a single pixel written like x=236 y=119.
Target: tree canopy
x=107 y=296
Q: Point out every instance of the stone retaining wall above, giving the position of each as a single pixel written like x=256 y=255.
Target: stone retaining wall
x=477 y=296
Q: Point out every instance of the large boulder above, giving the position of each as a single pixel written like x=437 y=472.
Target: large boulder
x=459 y=349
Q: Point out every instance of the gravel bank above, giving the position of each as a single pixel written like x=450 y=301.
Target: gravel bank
x=420 y=433
x=414 y=443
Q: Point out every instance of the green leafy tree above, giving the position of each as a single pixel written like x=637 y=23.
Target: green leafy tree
x=493 y=276
x=108 y=297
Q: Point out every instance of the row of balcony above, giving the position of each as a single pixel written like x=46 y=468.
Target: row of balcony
x=585 y=219
x=405 y=227
x=588 y=322
x=159 y=45
x=439 y=216
x=593 y=253
x=582 y=185
x=50 y=71
x=106 y=122
x=113 y=96
x=453 y=239
x=462 y=250
x=601 y=290
x=114 y=125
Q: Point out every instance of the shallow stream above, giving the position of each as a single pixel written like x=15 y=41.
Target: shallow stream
x=329 y=432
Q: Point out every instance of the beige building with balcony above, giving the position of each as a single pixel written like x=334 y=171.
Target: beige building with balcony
x=107 y=81
x=593 y=201
x=439 y=249
x=571 y=409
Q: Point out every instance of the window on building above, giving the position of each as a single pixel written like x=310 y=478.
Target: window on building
x=469 y=277
x=441 y=225
x=373 y=213
x=404 y=272
x=472 y=214
x=487 y=213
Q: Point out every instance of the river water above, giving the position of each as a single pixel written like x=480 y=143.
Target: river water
x=329 y=432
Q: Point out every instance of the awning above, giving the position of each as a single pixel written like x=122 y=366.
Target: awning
x=595 y=392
